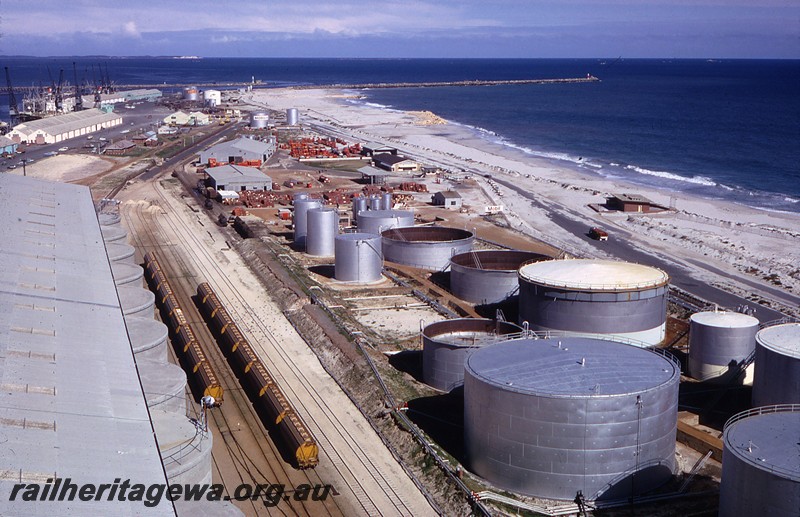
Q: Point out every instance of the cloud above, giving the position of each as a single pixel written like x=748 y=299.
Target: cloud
x=130 y=29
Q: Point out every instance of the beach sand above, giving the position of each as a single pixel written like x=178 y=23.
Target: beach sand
x=738 y=241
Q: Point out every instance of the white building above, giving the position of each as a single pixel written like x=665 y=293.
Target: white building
x=55 y=129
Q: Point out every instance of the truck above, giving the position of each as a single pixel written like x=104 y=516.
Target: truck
x=598 y=234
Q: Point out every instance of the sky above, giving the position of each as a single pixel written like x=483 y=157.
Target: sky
x=403 y=28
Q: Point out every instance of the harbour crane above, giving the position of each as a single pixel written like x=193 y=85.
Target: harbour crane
x=13 y=107
x=78 y=92
x=59 y=98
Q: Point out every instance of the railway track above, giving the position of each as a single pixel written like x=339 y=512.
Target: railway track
x=356 y=467
x=243 y=451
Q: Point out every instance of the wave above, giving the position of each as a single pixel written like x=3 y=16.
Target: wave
x=697 y=180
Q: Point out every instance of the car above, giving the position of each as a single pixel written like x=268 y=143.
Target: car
x=63 y=149
x=102 y=139
x=89 y=137
x=125 y=131
x=50 y=153
x=12 y=166
x=598 y=234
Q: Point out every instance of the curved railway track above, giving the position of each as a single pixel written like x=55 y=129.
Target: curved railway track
x=356 y=467
x=248 y=445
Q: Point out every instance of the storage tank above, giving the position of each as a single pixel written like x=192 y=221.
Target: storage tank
x=164 y=385
x=359 y=205
x=551 y=417
x=113 y=233
x=212 y=98
x=488 y=276
x=259 y=120
x=109 y=218
x=776 y=379
x=323 y=226
x=595 y=297
x=375 y=202
x=387 y=202
x=425 y=247
x=121 y=252
x=185 y=449
x=127 y=274
x=191 y=93
x=136 y=301
x=301 y=208
x=291 y=117
x=359 y=258
x=718 y=342
x=446 y=344
x=761 y=463
x=376 y=221
x=148 y=337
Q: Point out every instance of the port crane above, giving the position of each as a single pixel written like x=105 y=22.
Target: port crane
x=78 y=92
x=13 y=107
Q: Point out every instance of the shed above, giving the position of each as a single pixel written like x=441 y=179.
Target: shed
x=373 y=148
x=632 y=203
x=7 y=146
x=240 y=150
x=395 y=163
x=119 y=148
x=374 y=176
x=447 y=199
x=55 y=129
x=237 y=178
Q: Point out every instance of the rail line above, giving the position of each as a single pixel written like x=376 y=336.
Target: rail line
x=227 y=420
x=332 y=443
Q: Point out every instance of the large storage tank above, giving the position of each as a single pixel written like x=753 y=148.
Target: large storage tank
x=488 y=276
x=761 y=463
x=776 y=379
x=212 y=98
x=375 y=202
x=164 y=385
x=113 y=233
x=259 y=120
x=376 y=221
x=291 y=117
x=359 y=205
x=148 y=337
x=359 y=258
x=136 y=301
x=323 y=226
x=446 y=344
x=387 y=201
x=425 y=247
x=552 y=417
x=595 y=297
x=718 y=342
x=191 y=93
x=185 y=450
x=127 y=274
x=301 y=208
x=121 y=252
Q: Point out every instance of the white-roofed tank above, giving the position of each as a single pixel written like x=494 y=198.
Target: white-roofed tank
x=718 y=342
x=776 y=379
x=376 y=221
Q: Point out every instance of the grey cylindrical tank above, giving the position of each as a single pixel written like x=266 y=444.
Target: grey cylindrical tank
x=552 y=417
x=718 y=342
x=301 y=208
x=359 y=205
x=136 y=301
x=291 y=117
x=127 y=274
x=425 y=247
x=761 y=463
x=595 y=297
x=376 y=221
x=121 y=252
x=375 y=202
x=387 y=202
x=323 y=226
x=109 y=218
x=446 y=344
x=148 y=337
x=776 y=379
x=259 y=120
x=488 y=276
x=164 y=385
x=191 y=93
x=113 y=233
x=185 y=450
x=359 y=258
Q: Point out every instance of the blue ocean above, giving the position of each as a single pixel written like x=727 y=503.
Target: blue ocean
x=724 y=129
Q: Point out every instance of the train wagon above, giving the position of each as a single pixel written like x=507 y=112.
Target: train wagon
x=257 y=381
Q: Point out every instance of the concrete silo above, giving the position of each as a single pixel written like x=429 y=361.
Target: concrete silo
x=376 y=221
x=164 y=385
x=113 y=233
x=718 y=342
x=120 y=252
x=552 y=417
x=761 y=463
x=148 y=337
x=185 y=450
x=446 y=344
x=127 y=274
x=776 y=379
x=359 y=258
x=136 y=301
x=488 y=276
x=595 y=297
x=323 y=226
x=425 y=247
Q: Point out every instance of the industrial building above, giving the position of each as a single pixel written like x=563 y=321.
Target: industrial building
x=51 y=130
x=372 y=148
x=7 y=146
x=240 y=150
x=181 y=118
x=237 y=178
x=142 y=94
x=448 y=199
x=374 y=176
x=72 y=404
x=394 y=163
x=119 y=148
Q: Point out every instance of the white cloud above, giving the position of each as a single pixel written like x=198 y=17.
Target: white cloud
x=130 y=29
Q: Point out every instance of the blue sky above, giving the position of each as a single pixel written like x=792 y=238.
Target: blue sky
x=404 y=28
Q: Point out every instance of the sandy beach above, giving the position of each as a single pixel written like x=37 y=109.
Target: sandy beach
x=747 y=251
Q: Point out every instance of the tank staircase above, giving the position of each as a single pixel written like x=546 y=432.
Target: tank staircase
x=736 y=374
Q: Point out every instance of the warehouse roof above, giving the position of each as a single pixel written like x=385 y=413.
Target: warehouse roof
x=67 y=122
x=71 y=404
x=242 y=144
x=390 y=159
x=227 y=173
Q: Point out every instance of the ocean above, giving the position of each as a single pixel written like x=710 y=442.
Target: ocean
x=723 y=129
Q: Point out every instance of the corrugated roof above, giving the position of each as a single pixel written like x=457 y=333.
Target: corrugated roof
x=227 y=173
x=71 y=404
x=390 y=159
x=68 y=122
x=368 y=170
